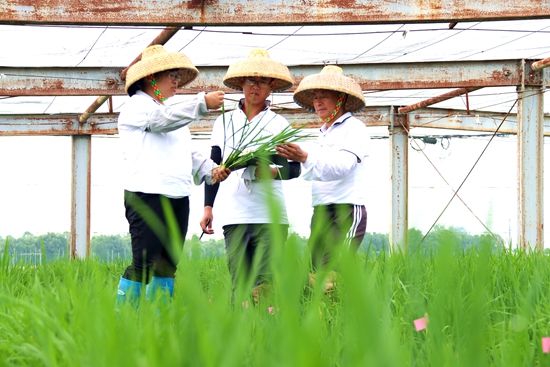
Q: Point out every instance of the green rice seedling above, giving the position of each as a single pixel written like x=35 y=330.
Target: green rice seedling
x=249 y=146
x=5 y=259
x=485 y=307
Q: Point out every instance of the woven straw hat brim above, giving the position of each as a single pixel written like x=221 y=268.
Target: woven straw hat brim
x=261 y=67
x=161 y=62
x=303 y=95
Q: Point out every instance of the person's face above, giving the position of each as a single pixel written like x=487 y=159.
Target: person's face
x=324 y=102
x=257 y=89
x=167 y=82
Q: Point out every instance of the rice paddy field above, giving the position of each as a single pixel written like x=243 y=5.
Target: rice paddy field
x=484 y=306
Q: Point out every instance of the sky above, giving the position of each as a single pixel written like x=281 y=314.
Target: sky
x=35 y=183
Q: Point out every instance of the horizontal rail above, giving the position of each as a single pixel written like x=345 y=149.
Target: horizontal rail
x=264 y=12
x=106 y=123
x=72 y=81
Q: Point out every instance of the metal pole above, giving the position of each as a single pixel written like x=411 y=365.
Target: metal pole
x=437 y=99
x=537 y=65
x=399 y=145
x=530 y=167
x=80 y=196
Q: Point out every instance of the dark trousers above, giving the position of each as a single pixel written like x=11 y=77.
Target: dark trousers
x=248 y=248
x=155 y=244
x=333 y=226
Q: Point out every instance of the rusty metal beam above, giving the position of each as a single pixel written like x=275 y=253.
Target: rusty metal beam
x=487 y=122
x=60 y=81
x=53 y=81
x=106 y=123
x=436 y=99
x=93 y=107
x=57 y=125
x=537 y=65
x=265 y=12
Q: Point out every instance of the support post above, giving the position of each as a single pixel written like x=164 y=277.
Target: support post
x=399 y=145
x=530 y=164
x=80 y=196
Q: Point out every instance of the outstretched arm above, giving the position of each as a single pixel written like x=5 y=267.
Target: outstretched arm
x=210 y=192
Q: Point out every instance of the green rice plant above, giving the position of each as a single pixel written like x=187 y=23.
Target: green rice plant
x=249 y=146
x=5 y=259
x=485 y=308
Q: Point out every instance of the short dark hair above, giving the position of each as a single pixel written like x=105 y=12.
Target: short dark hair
x=135 y=87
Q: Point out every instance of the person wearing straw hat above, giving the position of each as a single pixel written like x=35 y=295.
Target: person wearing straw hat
x=245 y=214
x=160 y=167
x=335 y=164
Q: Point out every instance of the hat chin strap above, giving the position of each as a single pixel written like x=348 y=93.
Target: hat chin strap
x=339 y=103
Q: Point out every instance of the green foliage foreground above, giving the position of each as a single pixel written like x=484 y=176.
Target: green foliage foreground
x=486 y=307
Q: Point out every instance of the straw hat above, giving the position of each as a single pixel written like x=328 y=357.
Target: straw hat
x=330 y=78
x=155 y=59
x=258 y=64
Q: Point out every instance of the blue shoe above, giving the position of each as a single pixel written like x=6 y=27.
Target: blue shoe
x=160 y=285
x=128 y=291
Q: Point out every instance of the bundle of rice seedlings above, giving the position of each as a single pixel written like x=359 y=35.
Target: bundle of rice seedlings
x=253 y=148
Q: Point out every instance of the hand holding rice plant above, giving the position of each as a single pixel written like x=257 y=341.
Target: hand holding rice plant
x=219 y=174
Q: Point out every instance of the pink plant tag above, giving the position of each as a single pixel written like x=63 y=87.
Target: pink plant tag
x=546 y=345
x=421 y=323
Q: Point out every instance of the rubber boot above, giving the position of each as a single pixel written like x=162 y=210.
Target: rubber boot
x=128 y=291
x=162 y=287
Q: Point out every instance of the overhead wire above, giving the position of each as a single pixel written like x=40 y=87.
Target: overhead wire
x=84 y=58
x=504 y=43
x=414 y=140
x=455 y=193
x=376 y=45
x=286 y=37
x=193 y=39
x=225 y=31
x=433 y=43
x=92 y=47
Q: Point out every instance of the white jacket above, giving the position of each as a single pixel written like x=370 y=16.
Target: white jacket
x=156 y=146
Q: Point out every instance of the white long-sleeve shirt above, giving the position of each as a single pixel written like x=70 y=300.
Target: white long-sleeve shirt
x=156 y=146
x=241 y=201
x=336 y=163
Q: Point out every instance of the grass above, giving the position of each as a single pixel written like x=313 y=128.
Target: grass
x=485 y=308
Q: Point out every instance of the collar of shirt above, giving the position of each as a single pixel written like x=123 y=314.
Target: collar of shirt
x=266 y=106
x=339 y=121
x=142 y=93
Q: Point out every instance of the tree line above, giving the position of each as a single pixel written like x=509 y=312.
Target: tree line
x=37 y=249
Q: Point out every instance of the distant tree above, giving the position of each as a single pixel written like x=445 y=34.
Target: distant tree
x=56 y=245
x=458 y=238
x=414 y=237
x=377 y=242
x=111 y=247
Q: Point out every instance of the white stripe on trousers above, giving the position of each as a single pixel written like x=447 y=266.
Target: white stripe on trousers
x=357 y=216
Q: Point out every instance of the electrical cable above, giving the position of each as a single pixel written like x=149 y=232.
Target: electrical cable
x=290 y=35
x=503 y=44
x=91 y=48
x=376 y=45
x=433 y=43
x=213 y=30
x=455 y=192
x=194 y=38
